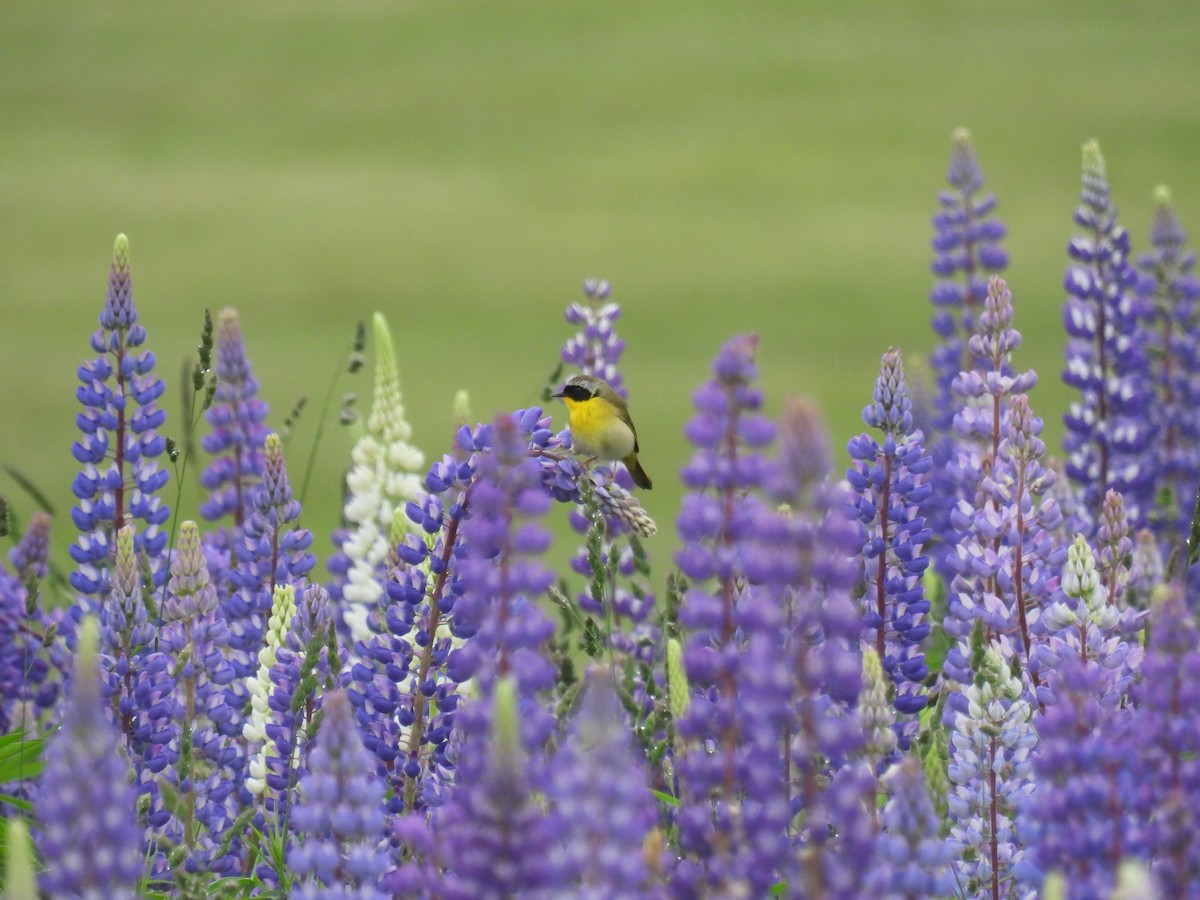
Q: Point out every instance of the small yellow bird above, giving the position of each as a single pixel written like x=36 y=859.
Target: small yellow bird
x=600 y=424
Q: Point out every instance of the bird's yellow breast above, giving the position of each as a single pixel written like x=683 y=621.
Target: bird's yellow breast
x=597 y=430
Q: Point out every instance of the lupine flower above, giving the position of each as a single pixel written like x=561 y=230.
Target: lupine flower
x=967 y=248
x=1081 y=624
x=911 y=861
x=804 y=559
x=876 y=711
x=210 y=759
x=120 y=480
x=991 y=775
x=767 y=626
x=493 y=840
x=599 y=789
x=340 y=817
x=382 y=480
x=996 y=547
x=1081 y=818
x=27 y=681
x=90 y=839
x=126 y=632
x=238 y=433
x=270 y=550
x=260 y=687
x=487 y=838
x=1148 y=571
x=282 y=717
x=730 y=633
x=892 y=484
x=1166 y=737
x=1114 y=548
x=595 y=349
x=1171 y=290
x=20 y=875
x=1110 y=428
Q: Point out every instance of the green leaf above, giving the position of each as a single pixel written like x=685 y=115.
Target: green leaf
x=20 y=756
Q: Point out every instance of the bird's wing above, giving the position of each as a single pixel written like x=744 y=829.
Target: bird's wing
x=622 y=409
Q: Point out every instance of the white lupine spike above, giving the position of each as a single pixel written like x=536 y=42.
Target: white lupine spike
x=386 y=475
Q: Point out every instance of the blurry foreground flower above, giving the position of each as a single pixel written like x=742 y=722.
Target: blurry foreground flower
x=90 y=838
x=339 y=820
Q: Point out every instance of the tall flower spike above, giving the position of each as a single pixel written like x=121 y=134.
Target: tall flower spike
x=1111 y=427
x=595 y=349
x=210 y=758
x=90 y=838
x=600 y=791
x=340 y=818
x=993 y=541
x=891 y=480
x=1166 y=736
x=1080 y=820
x=28 y=682
x=760 y=660
x=967 y=248
x=1081 y=624
x=120 y=479
x=1171 y=290
x=382 y=480
x=271 y=550
x=910 y=859
x=238 y=433
x=991 y=776
x=494 y=839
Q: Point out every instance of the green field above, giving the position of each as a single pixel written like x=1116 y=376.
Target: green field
x=463 y=166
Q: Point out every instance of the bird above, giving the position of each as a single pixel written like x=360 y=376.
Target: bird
x=600 y=424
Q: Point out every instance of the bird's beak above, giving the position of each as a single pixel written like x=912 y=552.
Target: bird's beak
x=558 y=394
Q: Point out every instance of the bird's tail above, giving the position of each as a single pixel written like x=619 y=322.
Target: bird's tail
x=640 y=478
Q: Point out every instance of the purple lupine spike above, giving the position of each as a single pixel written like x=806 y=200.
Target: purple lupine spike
x=502 y=631
x=30 y=556
x=892 y=484
x=804 y=458
x=491 y=838
x=1081 y=819
x=1111 y=427
x=1166 y=737
x=194 y=635
x=1148 y=571
x=595 y=349
x=983 y=395
x=270 y=549
x=238 y=434
x=120 y=480
x=967 y=249
x=29 y=675
x=765 y=660
x=910 y=859
x=1007 y=567
x=90 y=839
x=404 y=700
x=502 y=575
x=803 y=560
x=1114 y=547
x=1171 y=290
x=599 y=788
x=998 y=551
x=338 y=822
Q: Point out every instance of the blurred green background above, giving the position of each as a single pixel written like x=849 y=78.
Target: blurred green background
x=463 y=166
